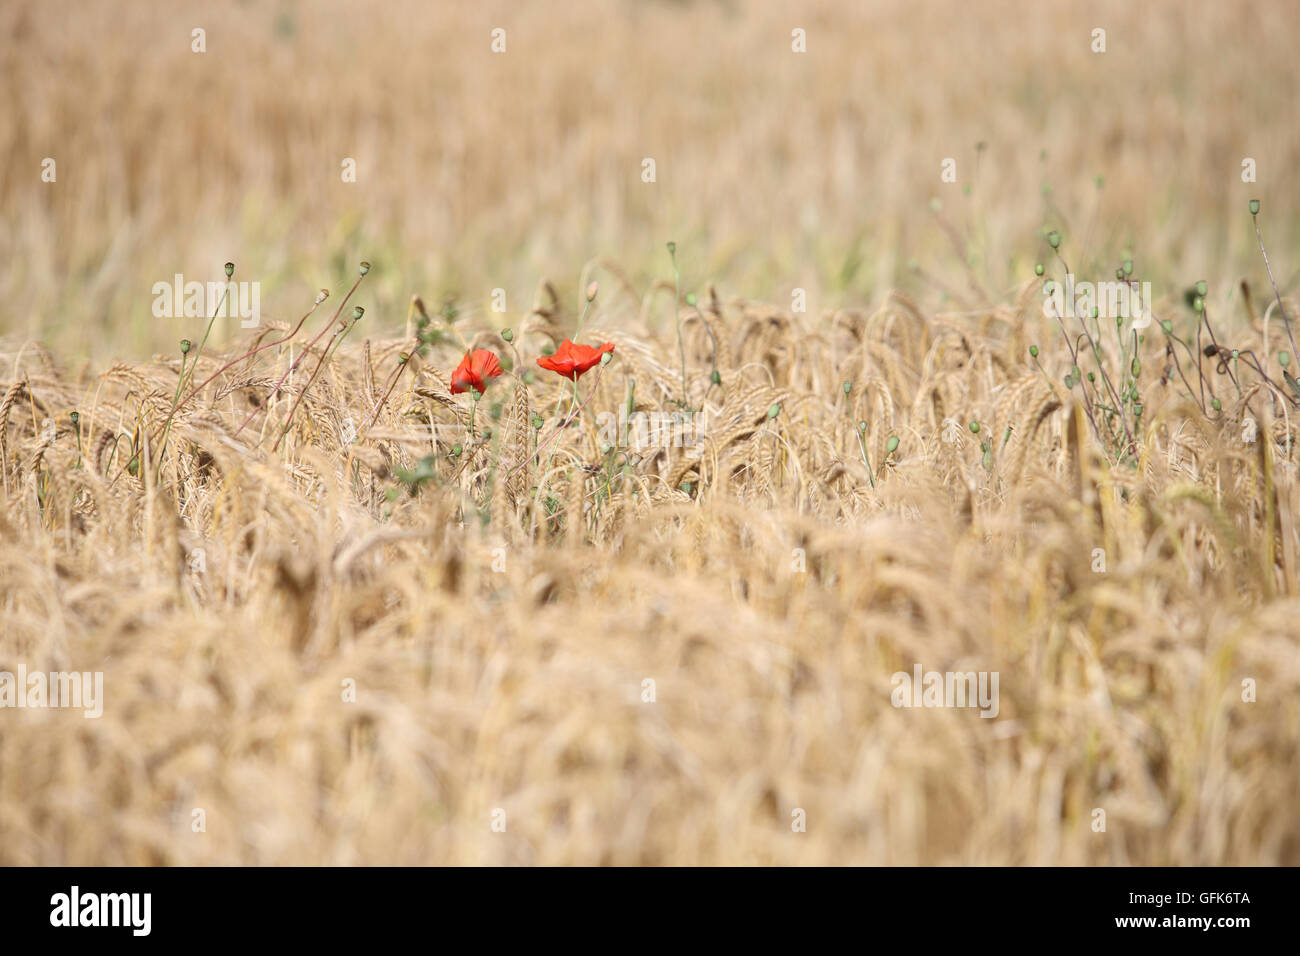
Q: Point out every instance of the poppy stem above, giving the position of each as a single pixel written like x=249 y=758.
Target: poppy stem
x=677 y=315
x=402 y=361
x=330 y=347
x=166 y=430
x=568 y=420
x=863 y=445
x=564 y=424
x=310 y=345
x=1286 y=320
x=249 y=354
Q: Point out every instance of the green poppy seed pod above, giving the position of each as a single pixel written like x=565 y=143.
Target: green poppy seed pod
x=74 y=417
x=1136 y=368
x=322 y=295
x=1092 y=376
x=1054 y=239
x=774 y=410
x=1119 y=274
x=690 y=299
x=365 y=267
x=975 y=428
x=606 y=448
x=1033 y=351
x=592 y=290
x=1068 y=380
x=1198 y=304
x=1038 y=268
x=537 y=422
x=1167 y=326
x=1128 y=267
x=607 y=358
x=186 y=345
x=1235 y=353
x=1137 y=410
x=1254 y=207
x=508 y=334
x=455 y=450
x=357 y=313
x=1133 y=394
x=230 y=269
x=891 y=446
x=1216 y=404
x=1202 y=288
x=404 y=358
x=672 y=248
x=862 y=427
x=1284 y=359
x=715 y=377
x=1075 y=371
x=847 y=387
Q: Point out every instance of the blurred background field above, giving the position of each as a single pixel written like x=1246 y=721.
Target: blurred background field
x=775 y=170
x=884 y=481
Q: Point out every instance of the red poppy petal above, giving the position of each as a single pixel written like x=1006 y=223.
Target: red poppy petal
x=461 y=379
x=486 y=364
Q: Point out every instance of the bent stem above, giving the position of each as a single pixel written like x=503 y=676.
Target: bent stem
x=403 y=360
x=1281 y=308
x=177 y=406
x=166 y=430
x=330 y=348
x=289 y=371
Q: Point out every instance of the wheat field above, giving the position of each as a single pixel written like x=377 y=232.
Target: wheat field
x=346 y=612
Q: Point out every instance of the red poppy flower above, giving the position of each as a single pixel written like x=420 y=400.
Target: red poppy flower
x=475 y=370
x=572 y=360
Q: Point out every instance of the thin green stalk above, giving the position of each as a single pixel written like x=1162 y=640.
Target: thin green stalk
x=289 y=371
x=677 y=316
x=1286 y=320
x=330 y=347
